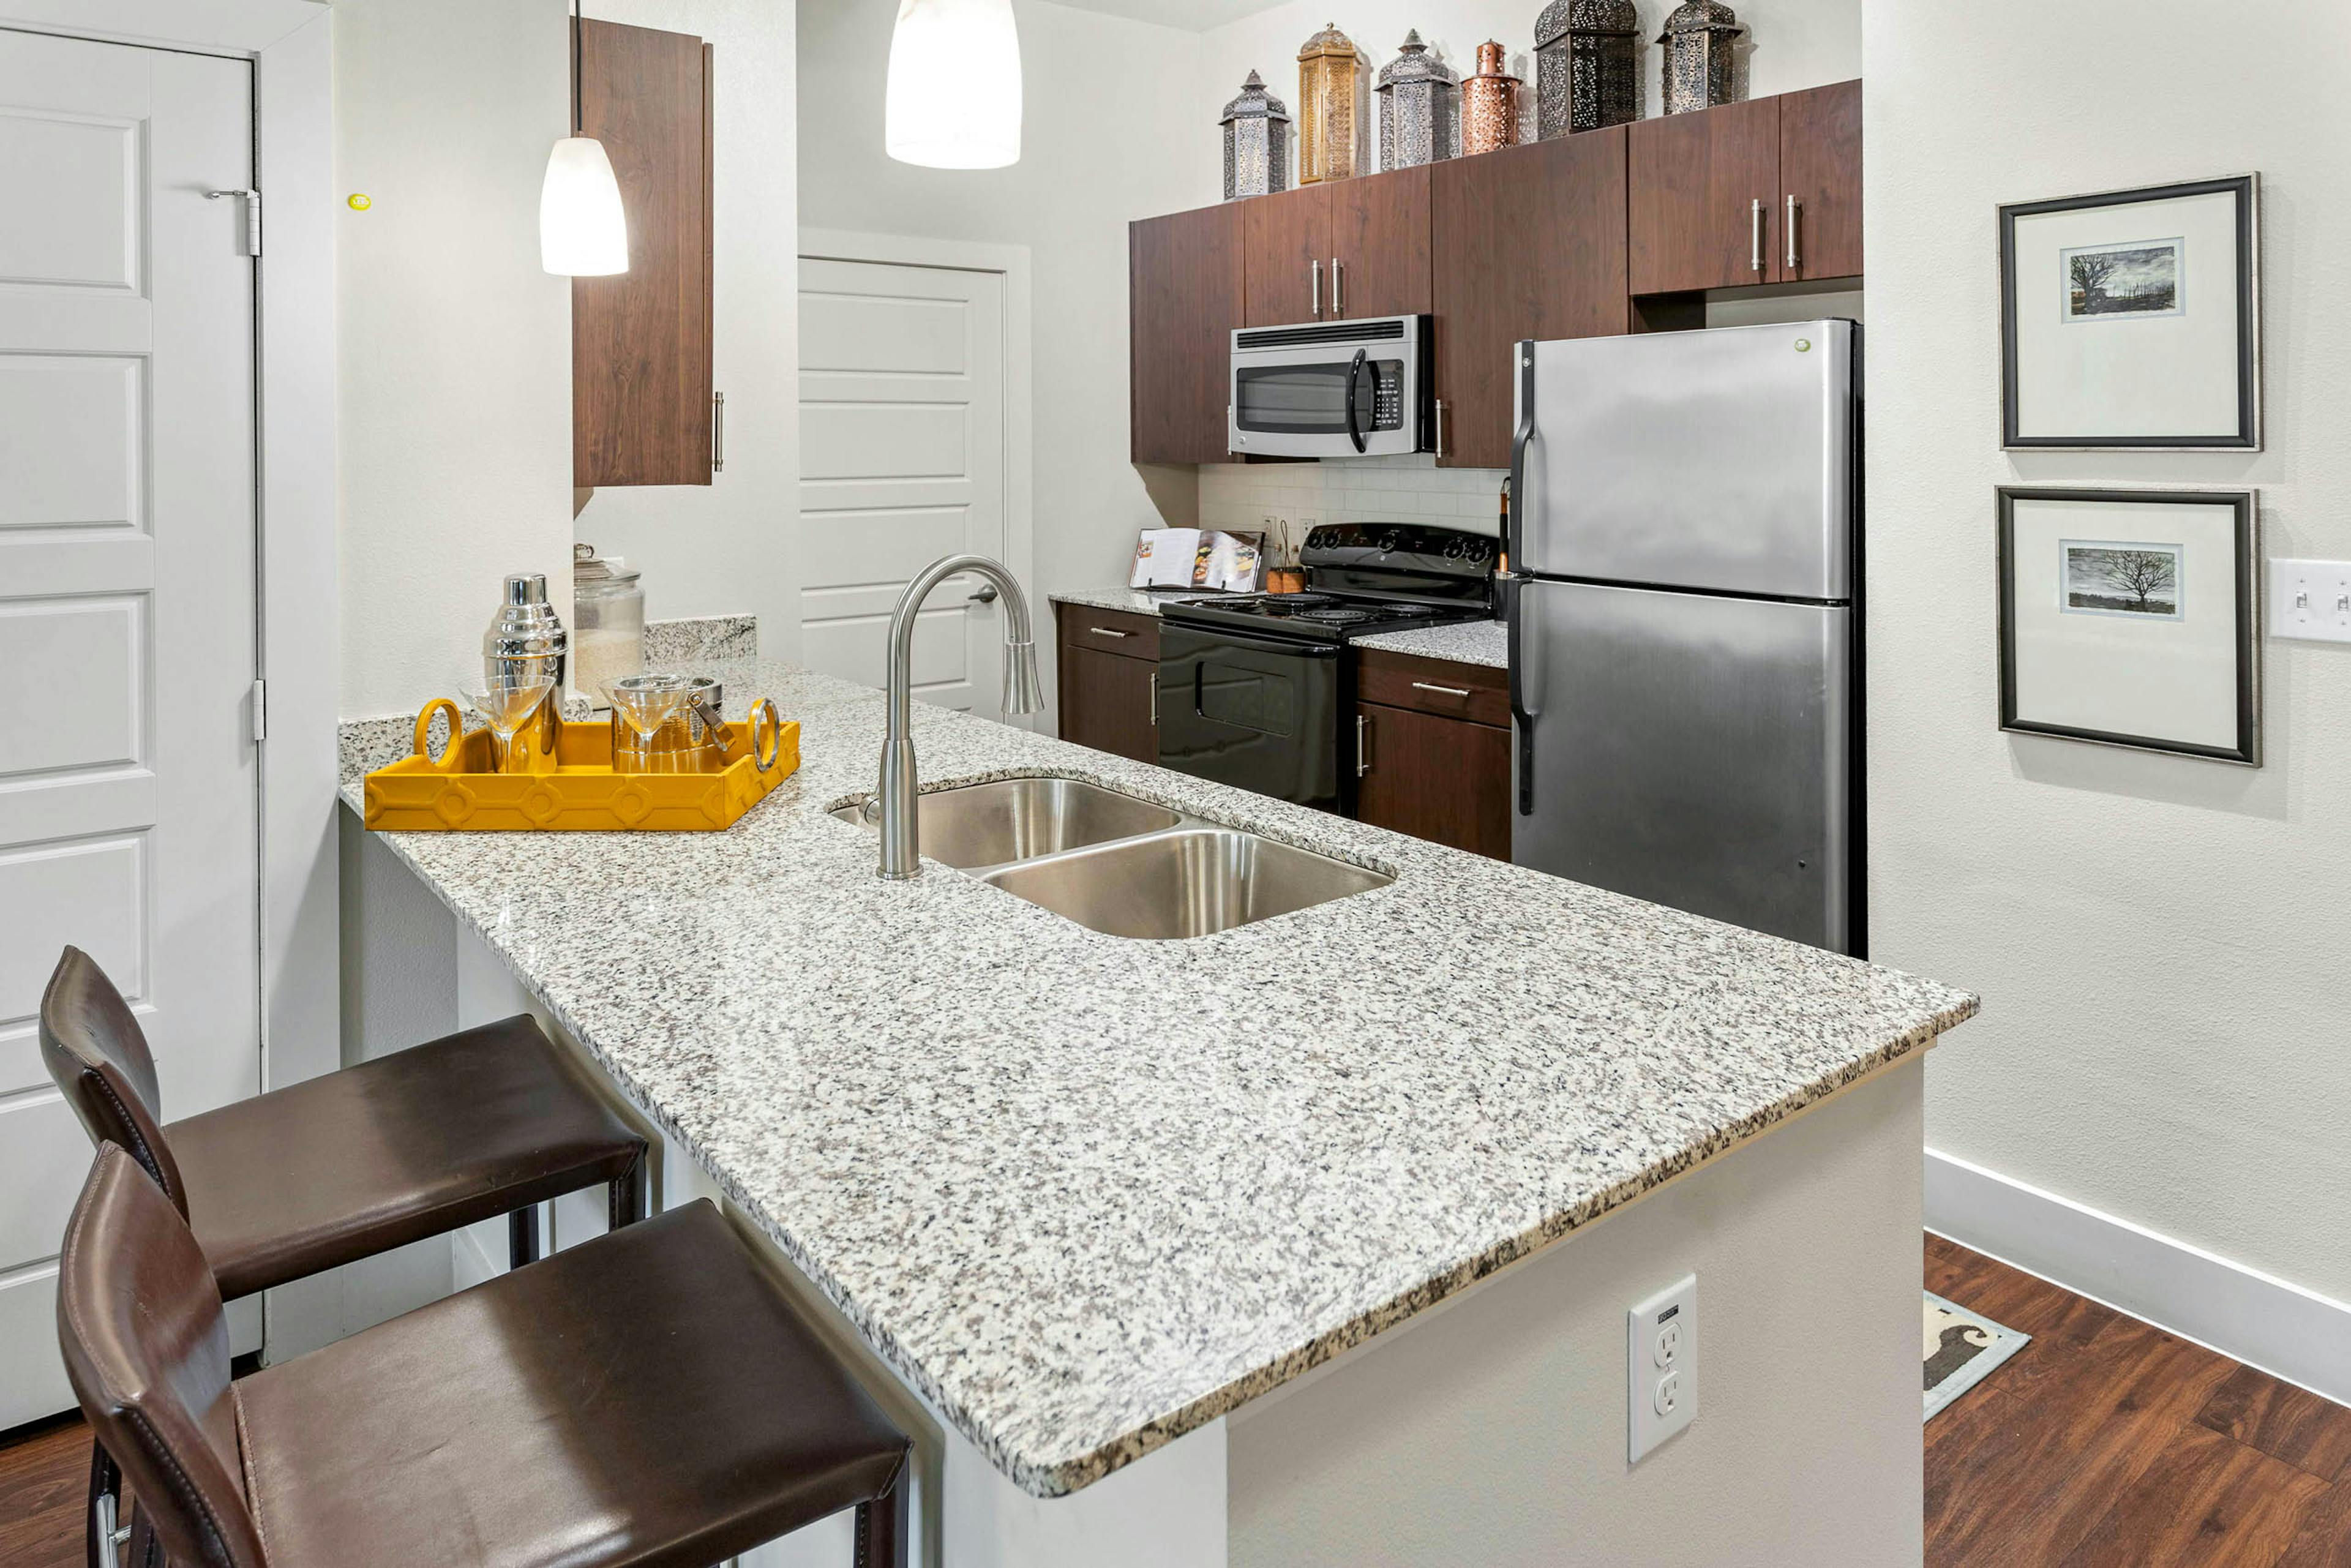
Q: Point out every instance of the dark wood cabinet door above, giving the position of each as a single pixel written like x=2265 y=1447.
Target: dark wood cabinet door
x=640 y=341
x=1820 y=174
x=1183 y=300
x=1697 y=183
x=1286 y=252
x=1379 y=263
x=1108 y=701
x=1527 y=241
x=1442 y=779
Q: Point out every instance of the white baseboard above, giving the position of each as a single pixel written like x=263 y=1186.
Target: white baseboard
x=2249 y=1316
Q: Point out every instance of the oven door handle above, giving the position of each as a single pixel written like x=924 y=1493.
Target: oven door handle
x=1228 y=639
x=1354 y=374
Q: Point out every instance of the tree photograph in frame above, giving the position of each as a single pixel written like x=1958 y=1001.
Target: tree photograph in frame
x=2132 y=319
x=2131 y=618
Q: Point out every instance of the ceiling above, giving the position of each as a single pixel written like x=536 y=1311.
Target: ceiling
x=1193 y=15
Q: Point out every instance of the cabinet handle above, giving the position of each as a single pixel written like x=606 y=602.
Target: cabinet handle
x=1441 y=691
x=1338 y=289
x=1440 y=427
x=718 y=433
x=1108 y=632
x=1793 y=209
x=1755 y=235
x=1154 y=699
x=1363 y=744
x=1318 y=289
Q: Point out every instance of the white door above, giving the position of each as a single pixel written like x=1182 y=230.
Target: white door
x=128 y=776
x=902 y=462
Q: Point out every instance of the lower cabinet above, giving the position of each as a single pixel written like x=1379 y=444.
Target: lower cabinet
x=1444 y=779
x=1109 y=678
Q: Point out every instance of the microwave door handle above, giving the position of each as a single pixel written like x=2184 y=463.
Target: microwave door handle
x=1354 y=430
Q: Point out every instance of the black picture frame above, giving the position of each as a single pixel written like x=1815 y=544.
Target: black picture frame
x=2247 y=751
x=2247 y=436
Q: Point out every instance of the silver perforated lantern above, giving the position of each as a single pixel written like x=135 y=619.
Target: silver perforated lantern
x=1257 y=143
x=1420 y=107
x=1701 y=41
x=1587 y=70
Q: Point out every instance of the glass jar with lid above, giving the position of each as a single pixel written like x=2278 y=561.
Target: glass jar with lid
x=608 y=622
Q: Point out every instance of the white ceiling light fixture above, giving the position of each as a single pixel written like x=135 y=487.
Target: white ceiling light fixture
x=582 y=232
x=955 y=85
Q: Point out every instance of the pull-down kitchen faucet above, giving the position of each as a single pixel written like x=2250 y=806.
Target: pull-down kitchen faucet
x=901 y=843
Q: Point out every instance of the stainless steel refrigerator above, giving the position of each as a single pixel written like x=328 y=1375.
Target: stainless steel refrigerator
x=1684 y=624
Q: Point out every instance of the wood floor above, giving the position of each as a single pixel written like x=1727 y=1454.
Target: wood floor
x=2104 y=1444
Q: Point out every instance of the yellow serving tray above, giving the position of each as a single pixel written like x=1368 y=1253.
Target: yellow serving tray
x=571 y=789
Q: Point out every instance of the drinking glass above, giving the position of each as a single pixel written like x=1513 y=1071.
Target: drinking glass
x=509 y=703
x=645 y=703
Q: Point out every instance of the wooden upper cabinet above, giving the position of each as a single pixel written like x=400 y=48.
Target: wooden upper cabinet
x=1183 y=300
x=1705 y=198
x=1820 y=174
x=1528 y=243
x=640 y=341
x=1340 y=248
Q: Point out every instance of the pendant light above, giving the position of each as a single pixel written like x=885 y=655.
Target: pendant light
x=955 y=85
x=582 y=232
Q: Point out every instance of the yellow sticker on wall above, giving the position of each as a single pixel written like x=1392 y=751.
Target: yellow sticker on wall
x=359 y=201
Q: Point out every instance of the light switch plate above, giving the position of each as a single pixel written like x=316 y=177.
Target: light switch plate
x=2311 y=600
x=1661 y=1366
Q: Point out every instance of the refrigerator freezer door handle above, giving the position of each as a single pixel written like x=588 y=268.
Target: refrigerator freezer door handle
x=1515 y=529
x=1526 y=683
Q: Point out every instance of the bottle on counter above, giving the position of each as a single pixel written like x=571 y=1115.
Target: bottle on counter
x=610 y=608
x=525 y=636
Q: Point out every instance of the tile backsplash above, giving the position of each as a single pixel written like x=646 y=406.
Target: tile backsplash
x=1242 y=496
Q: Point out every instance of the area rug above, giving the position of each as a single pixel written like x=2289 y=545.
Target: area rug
x=1961 y=1350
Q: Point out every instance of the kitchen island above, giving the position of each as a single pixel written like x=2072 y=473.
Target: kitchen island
x=1265 y=1246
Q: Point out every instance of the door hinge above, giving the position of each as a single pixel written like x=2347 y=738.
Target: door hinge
x=261 y=711
x=252 y=216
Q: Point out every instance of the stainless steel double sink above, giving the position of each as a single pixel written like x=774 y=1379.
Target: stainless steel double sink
x=1121 y=865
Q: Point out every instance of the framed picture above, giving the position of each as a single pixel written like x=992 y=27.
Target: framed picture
x=2133 y=319
x=2132 y=618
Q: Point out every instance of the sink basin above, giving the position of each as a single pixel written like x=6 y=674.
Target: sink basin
x=1021 y=818
x=1189 y=884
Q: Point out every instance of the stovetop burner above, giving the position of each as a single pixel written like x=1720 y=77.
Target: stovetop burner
x=1378 y=576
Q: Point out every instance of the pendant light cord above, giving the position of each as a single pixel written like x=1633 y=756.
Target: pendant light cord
x=575 y=68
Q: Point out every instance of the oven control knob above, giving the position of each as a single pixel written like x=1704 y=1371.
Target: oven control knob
x=1390 y=541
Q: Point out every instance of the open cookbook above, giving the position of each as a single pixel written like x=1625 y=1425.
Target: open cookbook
x=1205 y=559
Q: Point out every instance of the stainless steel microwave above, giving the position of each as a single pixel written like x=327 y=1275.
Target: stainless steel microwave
x=1331 y=389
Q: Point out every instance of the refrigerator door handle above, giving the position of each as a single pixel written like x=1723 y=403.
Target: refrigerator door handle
x=1515 y=524
x=1525 y=642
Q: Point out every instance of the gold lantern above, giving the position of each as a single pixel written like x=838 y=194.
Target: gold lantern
x=1330 y=106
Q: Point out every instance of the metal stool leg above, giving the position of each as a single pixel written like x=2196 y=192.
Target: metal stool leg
x=105 y=1503
x=628 y=1194
x=883 y=1536
x=522 y=1236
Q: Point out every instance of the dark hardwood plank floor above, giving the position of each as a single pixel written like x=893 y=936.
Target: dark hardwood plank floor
x=2106 y=1443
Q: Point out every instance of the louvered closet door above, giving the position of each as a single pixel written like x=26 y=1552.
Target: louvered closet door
x=127 y=768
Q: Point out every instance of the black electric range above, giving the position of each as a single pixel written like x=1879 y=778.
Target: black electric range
x=1256 y=692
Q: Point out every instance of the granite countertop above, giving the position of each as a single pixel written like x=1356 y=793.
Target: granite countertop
x=1484 y=642
x=1087 y=1194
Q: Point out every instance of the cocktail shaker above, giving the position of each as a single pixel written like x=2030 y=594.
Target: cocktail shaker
x=525 y=636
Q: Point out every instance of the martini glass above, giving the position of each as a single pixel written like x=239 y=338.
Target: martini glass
x=507 y=703
x=645 y=703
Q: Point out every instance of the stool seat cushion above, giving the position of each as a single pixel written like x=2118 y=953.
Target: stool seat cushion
x=651 y=1398
x=411 y=1144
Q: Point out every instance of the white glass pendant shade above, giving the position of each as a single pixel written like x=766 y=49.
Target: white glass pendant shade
x=955 y=85
x=582 y=231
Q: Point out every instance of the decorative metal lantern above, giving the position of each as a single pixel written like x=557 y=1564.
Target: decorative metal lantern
x=1257 y=143
x=1586 y=72
x=1700 y=42
x=1489 y=103
x=1330 y=93
x=1420 y=107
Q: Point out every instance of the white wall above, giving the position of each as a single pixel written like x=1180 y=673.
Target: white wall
x=454 y=391
x=2159 y=942
x=727 y=548
x=1114 y=132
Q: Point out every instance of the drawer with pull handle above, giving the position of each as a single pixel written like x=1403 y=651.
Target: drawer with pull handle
x=1474 y=692
x=1110 y=631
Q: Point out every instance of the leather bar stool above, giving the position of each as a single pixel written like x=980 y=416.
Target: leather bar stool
x=345 y=1166
x=649 y=1399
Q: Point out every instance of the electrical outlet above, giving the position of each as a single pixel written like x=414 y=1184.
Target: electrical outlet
x=1661 y=1366
x=2311 y=600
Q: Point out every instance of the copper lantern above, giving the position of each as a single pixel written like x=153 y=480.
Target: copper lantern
x=1489 y=103
x=1587 y=73
x=1257 y=143
x=1700 y=39
x=1420 y=107
x=1330 y=93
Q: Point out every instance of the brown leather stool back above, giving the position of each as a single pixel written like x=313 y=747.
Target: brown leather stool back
x=97 y=1054
x=146 y=1348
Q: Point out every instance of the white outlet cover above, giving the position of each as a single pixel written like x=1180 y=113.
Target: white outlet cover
x=2310 y=600
x=1661 y=1366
